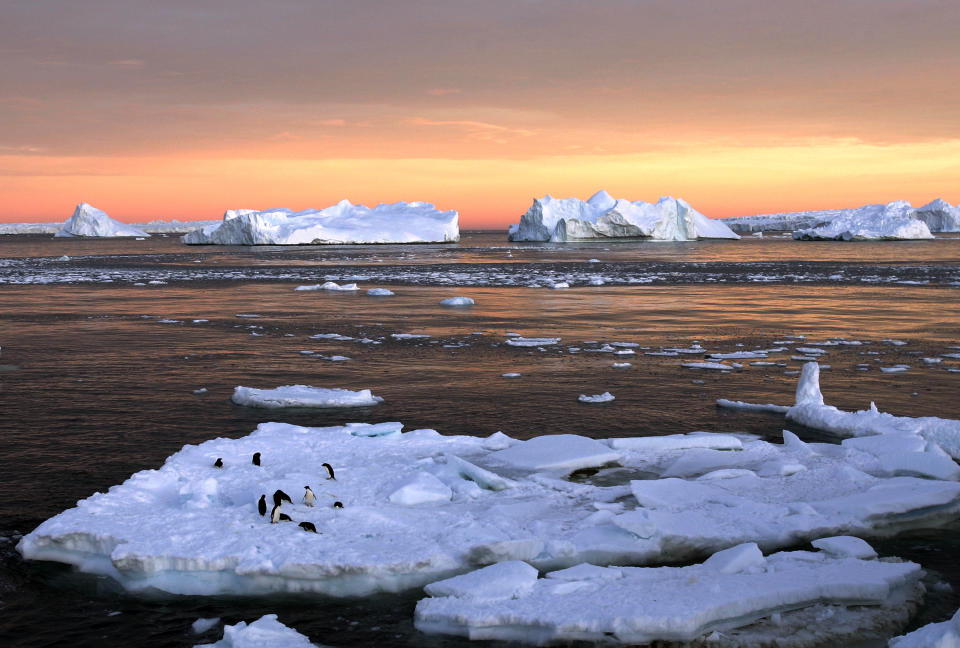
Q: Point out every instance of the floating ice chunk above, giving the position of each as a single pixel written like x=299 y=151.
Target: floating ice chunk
x=571 y=219
x=932 y=360
x=409 y=336
x=380 y=292
x=343 y=223
x=511 y=374
x=520 y=341
x=329 y=285
x=421 y=488
x=265 y=632
x=659 y=444
x=560 y=285
x=845 y=547
x=737 y=355
x=716 y=366
x=557 y=453
x=202 y=625
x=751 y=407
x=504 y=580
x=945 y=634
x=900 y=368
x=627 y=604
x=303 y=396
x=202 y=390
x=90 y=221
x=457 y=301
x=331 y=336
x=621 y=365
x=605 y=397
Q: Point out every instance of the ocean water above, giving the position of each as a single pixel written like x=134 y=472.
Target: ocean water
x=102 y=351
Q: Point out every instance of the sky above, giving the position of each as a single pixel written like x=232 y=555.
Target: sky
x=182 y=109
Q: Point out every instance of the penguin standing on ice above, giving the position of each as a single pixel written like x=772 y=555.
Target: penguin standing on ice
x=329 y=471
x=308 y=526
x=279 y=497
x=218 y=463
x=308 y=496
x=277 y=516
x=262 y=505
x=256 y=458
x=338 y=504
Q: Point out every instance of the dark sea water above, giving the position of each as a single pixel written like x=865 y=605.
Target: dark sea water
x=102 y=351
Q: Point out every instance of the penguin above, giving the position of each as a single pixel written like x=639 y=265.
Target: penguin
x=256 y=458
x=277 y=516
x=279 y=496
x=338 y=504
x=308 y=526
x=329 y=471
x=218 y=463
x=262 y=505
x=308 y=496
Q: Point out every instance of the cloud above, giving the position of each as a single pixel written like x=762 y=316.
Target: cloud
x=474 y=129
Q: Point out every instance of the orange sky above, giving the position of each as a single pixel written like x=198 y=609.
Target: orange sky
x=740 y=107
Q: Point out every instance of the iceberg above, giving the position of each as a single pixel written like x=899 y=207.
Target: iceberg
x=90 y=221
x=725 y=601
x=303 y=396
x=940 y=216
x=604 y=217
x=419 y=507
x=893 y=221
x=343 y=223
x=265 y=632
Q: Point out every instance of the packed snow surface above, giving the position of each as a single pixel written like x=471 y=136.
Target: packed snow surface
x=343 y=223
x=602 y=216
x=419 y=507
x=894 y=220
x=87 y=220
x=303 y=396
x=934 y=635
x=636 y=605
x=265 y=632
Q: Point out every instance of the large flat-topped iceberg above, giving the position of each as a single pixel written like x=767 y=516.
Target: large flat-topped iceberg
x=604 y=217
x=87 y=220
x=418 y=507
x=893 y=221
x=343 y=223
x=724 y=602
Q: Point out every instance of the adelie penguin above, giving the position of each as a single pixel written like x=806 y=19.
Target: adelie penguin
x=256 y=458
x=279 y=497
x=338 y=504
x=308 y=496
x=308 y=526
x=329 y=471
x=277 y=516
x=218 y=463
x=262 y=505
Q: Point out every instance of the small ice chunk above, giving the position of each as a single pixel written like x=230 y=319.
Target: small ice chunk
x=741 y=558
x=302 y=396
x=605 y=397
x=203 y=624
x=520 y=341
x=265 y=632
x=329 y=285
x=202 y=390
x=380 y=292
x=845 y=547
x=511 y=374
x=457 y=301
x=622 y=365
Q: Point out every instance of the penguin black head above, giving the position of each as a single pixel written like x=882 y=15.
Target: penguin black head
x=256 y=458
x=218 y=463
x=308 y=526
x=262 y=505
x=329 y=468
x=338 y=504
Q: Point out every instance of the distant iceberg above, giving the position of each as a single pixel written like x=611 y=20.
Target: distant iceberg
x=604 y=217
x=343 y=223
x=87 y=220
x=940 y=216
x=893 y=221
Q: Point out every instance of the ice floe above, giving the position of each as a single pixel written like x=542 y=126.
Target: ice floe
x=87 y=220
x=419 y=507
x=303 y=396
x=723 y=601
x=265 y=632
x=343 y=223
x=602 y=216
x=945 y=634
x=520 y=341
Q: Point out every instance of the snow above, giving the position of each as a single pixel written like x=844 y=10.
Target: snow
x=810 y=410
x=602 y=216
x=945 y=634
x=605 y=397
x=457 y=301
x=343 y=223
x=734 y=590
x=265 y=632
x=421 y=507
x=87 y=220
x=302 y=396
x=892 y=221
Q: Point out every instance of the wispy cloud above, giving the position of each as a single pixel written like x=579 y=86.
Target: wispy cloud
x=475 y=129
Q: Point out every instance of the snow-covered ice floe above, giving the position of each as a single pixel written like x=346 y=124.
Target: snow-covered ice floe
x=303 y=396
x=737 y=597
x=945 y=634
x=602 y=216
x=87 y=220
x=419 y=507
x=343 y=223
x=936 y=438
x=892 y=221
x=265 y=632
